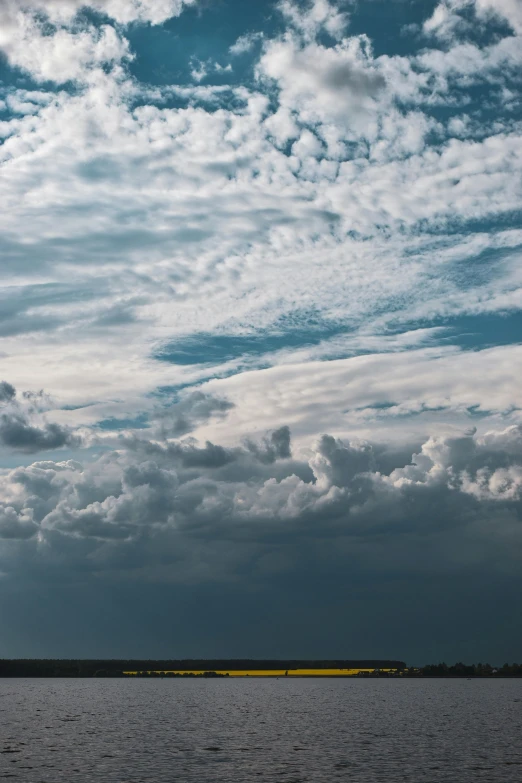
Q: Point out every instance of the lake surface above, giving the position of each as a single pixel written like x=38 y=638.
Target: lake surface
x=154 y=731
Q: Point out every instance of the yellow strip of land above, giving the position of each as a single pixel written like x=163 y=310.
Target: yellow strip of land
x=270 y=672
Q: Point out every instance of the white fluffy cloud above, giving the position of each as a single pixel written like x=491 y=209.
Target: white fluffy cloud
x=65 y=55
x=122 y=11
x=73 y=49
x=447 y=19
x=314 y=16
x=510 y=10
x=329 y=191
x=324 y=85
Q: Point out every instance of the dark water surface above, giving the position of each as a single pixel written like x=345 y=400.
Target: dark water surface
x=260 y=730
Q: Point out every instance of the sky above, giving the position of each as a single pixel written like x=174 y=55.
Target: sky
x=260 y=329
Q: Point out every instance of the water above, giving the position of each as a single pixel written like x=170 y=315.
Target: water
x=159 y=731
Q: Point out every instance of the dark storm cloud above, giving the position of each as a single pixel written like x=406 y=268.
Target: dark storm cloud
x=17 y=433
x=275 y=446
x=254 y=459
x=7 y=392
x=179 y=485
x=280 y=443
x=22 y=426
x=186 y=414
x=351 y=520
x=211 y=456
x=14 y=525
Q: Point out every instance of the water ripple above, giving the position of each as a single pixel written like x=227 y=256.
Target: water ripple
x=290 y=731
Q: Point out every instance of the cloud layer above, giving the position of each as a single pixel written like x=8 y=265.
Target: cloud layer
x=455 y=501
x=273 y=300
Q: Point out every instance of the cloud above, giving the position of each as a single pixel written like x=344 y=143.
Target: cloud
x=7 y=392
x=23 y=426
x=17 y=433
x=357 y=494
x=64 y=55
x=14 y=525
x=510 y=10
x=198 y=71
x=245 y=43
x=192 y=410
x=122 y=11
x=337 y=464
x=448 y=21
x=339 y=84
x=325 y=195
x=47 y=39
x=467 y=464
x=392 y=397
x=314 y=16
x=277 y=446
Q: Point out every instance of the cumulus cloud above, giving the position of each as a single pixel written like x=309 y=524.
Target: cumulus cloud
x=468 y=464
x=15 y=525
x=23 y=426
x=72 y=49
x=448 y=21
x=7 y=391
x=17 y=433
x=65 y=55
x=313 y=16
x=337 y=464
x=348 y=491
x=510 y=10
x=277 y=446
x=323 y=84
x=193 y=409
x=122 y=11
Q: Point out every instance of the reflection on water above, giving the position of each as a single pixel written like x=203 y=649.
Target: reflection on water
x=144 y=731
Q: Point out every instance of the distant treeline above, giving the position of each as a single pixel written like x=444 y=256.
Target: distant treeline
x=115 y=668
x=467 y=670
x=210 y=667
